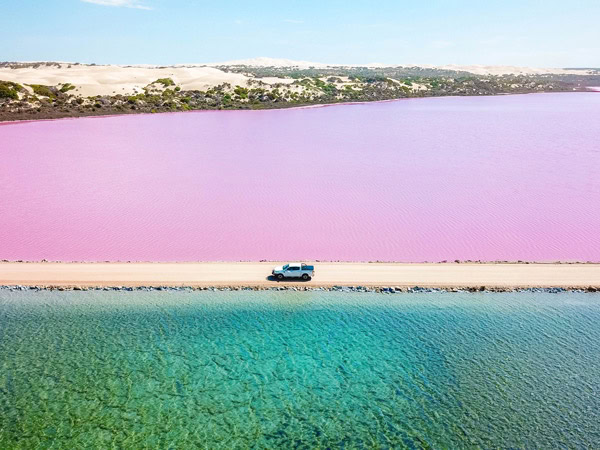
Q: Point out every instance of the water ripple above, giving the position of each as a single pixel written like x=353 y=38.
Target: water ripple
x=283 y=369
x=490 y=178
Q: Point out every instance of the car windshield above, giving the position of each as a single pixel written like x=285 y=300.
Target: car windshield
x=286 y=267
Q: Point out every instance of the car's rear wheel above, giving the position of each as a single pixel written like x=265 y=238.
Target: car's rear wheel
x=305 y=276
x=280 y=276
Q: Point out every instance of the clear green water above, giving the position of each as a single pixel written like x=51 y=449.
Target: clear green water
x=291 y=369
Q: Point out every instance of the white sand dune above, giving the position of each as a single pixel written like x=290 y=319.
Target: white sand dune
x=110 y=80
x=91 y=80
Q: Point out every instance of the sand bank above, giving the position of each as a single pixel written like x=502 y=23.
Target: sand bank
x=504 y=276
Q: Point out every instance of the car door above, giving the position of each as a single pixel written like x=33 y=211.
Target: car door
x=293 y=271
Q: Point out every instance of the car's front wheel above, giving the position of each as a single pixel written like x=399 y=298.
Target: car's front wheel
x=280 y=276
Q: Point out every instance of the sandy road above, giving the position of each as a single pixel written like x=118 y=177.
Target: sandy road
x=327 y=274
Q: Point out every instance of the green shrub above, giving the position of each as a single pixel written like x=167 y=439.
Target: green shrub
x=6 y=92
x=319 y=83
x=328 y=88
x=45 y=91
x=67 y=87
x=241 y=92
x=135 y=98
x=165 y=82
x=8 y=89
x=375 y=79
x=153 y=99
x=304 y=82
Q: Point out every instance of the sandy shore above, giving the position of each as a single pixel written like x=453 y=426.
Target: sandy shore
x=505 y=276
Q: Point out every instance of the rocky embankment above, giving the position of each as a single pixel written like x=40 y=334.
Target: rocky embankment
x=347 y=289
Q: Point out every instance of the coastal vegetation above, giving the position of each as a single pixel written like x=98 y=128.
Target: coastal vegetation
x=66 y=87
x=296 y=87
x=45 y=91
x=165 y=82
x=10 y=90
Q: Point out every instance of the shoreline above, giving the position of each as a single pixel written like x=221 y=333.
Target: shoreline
x=277 y=108
x=401 y=277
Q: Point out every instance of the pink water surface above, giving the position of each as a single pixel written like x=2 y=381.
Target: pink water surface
x=490 y=178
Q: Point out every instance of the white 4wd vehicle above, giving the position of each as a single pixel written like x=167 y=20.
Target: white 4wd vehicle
x=294 y=270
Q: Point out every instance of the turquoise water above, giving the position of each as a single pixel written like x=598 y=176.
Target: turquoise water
x=298 y=369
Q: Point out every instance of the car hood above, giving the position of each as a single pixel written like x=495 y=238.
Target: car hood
x=278 y=269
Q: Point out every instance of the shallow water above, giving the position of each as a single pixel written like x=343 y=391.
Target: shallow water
x=283 y=369
x=491 y=178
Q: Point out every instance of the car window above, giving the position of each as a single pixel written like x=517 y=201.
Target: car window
x=294 y=268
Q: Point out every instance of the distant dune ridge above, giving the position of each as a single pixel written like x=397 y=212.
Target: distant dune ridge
x=475 y=69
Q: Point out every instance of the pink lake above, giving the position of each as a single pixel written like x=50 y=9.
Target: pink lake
x=480 y=178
